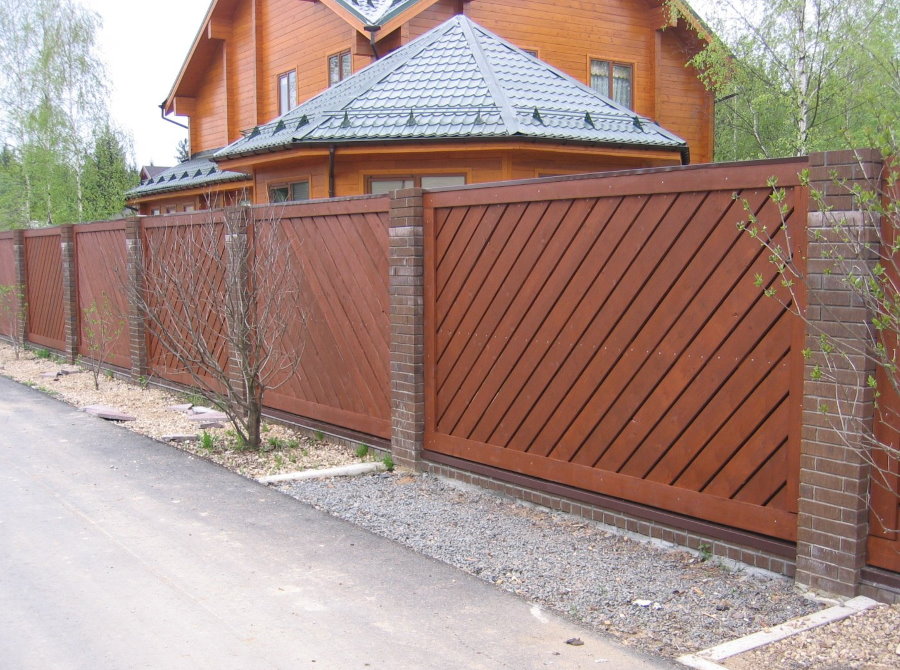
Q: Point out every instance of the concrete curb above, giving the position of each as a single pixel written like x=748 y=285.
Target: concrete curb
x=708 y=658
x=340 y=471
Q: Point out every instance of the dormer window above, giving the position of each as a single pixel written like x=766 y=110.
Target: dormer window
x=287 y=92
x=614 y=80
x=339 y=67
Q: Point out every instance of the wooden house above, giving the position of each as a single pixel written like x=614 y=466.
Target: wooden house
x=296 y=99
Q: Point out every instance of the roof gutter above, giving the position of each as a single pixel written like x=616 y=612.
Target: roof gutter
x=685 y=155
x=162 y=115
x=372 y=30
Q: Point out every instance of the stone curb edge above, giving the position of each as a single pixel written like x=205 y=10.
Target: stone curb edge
x=707 y=659
x=340 y=471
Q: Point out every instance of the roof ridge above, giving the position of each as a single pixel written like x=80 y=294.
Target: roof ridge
x=507 y=113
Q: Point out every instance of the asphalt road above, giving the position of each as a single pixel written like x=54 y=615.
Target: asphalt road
x=120 y=552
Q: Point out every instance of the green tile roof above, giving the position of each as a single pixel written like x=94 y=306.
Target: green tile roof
x=457 y=81
x=196 y=172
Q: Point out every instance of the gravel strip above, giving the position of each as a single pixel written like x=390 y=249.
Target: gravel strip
x=866 y=641
x=665 y=601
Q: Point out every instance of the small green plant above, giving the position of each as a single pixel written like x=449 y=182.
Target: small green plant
x=43 y=354
x=102 y=323
x=194 y=398
x=207 y=441
x=292 y=443
x=388 y=463
x=279 y=461
x=705 y=552
x=362 y=451
x=319 y=435
x=144 y=382
x=275 y=443
x=110 y=375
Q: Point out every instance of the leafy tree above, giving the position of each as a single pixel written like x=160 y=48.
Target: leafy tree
x=52 y=97
x=794 y=76
x=107 y=175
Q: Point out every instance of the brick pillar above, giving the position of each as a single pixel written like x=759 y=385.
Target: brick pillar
x=239 y=310
x=137 y=327
x=70 y=291
x=407 y=274
x=21 y=287
x=834 y=474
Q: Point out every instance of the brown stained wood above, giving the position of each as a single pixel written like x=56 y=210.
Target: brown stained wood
x=681 y=400
x=712 y=316
x=737 y=389
x=8 y=279
x=764 y=484
x=700 y=178
x=454 y=304
x=495 y=295
x=456 y=261
x=731 y=434
x=44 y=288
x=564 y=427
x=447 y=224
x=765 y=441
x=102 y=280
x=771 y=522
x=529 y=287
x=529 y=363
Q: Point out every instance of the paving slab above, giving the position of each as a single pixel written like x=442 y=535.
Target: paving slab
x=108 y=413
x=117 y=551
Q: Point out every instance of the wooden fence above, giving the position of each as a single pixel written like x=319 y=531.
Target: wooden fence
x=607 y=334
x=8 y=279
x=599 y=334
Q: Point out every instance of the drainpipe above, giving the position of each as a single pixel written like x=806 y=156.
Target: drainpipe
x=331 y=152
x=685 y=155
x=372 y=30
x=162 y=115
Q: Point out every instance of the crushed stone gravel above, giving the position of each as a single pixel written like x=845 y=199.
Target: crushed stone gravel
x=663 y=600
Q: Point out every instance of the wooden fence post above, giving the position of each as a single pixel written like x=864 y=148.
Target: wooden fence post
x=21 y=287
x=407 y=344
x=137 y=327
x=70 y=290
x=834 y=472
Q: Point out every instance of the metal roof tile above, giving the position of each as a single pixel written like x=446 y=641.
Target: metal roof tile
x=196 y=172
x=458 y=80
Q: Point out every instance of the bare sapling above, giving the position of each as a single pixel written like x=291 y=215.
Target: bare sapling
x=222 y=301
x=101 y=326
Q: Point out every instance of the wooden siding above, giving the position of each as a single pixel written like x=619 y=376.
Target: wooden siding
x=606 y=333
x=102 y=280
x=209 y=121
x=7 y=278
x=44 y=288
x=341 y=255
x=470 y=159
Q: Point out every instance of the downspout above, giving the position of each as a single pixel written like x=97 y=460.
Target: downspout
x=162 y=115
x=372 y=30
x=331 y=152
x=685 y=155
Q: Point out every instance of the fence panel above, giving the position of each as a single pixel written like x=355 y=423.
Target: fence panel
x=44 y=288
x=340 y=256
x=102 y=281
x=606 y=333
x=184 y=281
x=7 y=279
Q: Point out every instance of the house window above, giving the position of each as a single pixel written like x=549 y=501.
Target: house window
x=613 y=80
x=298 y=190
x=287 y=92
x=155 y=211
x=188 y=208
x=378 y=185
x=170 y=209
x=339 y=67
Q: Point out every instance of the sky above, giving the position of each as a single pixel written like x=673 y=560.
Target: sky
x=144 y=45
